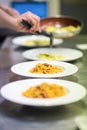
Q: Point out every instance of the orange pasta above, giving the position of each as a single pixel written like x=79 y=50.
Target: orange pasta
x=46 y=69
x=45 y=90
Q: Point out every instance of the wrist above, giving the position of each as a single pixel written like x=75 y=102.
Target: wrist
x=13 y=24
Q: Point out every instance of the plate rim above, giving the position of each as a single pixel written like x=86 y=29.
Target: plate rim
x=49 y=102
x=15 y=69
x=30 y=36
x=61 y=48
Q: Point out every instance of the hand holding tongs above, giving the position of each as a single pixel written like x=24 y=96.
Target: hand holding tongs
x=29 y=25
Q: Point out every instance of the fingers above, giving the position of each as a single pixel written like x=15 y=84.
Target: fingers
x=33 y=19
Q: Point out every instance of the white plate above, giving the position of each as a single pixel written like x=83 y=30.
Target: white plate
x=12 y=92
x=23 y=68
x=21 y=39
x=68 y=54
x=81 y=122
x=82 y=46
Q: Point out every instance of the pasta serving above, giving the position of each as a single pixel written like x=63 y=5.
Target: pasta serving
x=37 y=42
x=65 y=29
x=45 y=90
x=46 y=69
x=49 y=56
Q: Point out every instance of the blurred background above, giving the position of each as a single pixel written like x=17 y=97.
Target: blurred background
x=46 y=8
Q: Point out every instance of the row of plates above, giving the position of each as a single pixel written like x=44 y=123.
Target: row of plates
x=75 y=92
x=69 y=54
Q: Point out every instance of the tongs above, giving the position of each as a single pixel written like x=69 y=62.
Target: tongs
x=43 y=32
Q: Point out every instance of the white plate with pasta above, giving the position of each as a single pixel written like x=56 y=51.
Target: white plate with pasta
x=14 y=92
x=44 y=69
x=35 y=41
x=59 y=54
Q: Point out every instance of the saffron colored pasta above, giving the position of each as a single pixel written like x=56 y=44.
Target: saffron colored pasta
x=46 y=69
x=45 y=90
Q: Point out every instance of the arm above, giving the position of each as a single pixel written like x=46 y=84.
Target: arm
x=6 y=20
x=9 y=10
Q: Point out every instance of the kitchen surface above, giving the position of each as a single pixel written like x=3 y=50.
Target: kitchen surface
x=17 y=116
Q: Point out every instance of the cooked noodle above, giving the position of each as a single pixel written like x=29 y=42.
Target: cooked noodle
x=46 y=69
x=45 y=90
x=49 y=56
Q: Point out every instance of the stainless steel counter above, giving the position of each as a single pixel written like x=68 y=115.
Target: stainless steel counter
x=19 y=117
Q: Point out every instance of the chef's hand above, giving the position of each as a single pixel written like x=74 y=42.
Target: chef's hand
x=33 y=19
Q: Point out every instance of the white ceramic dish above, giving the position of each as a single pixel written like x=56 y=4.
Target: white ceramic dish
x=81 y=122
x=21 y=39
x=67 y=53
x=12 y=92
x=24 y=67
x=82 y=46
